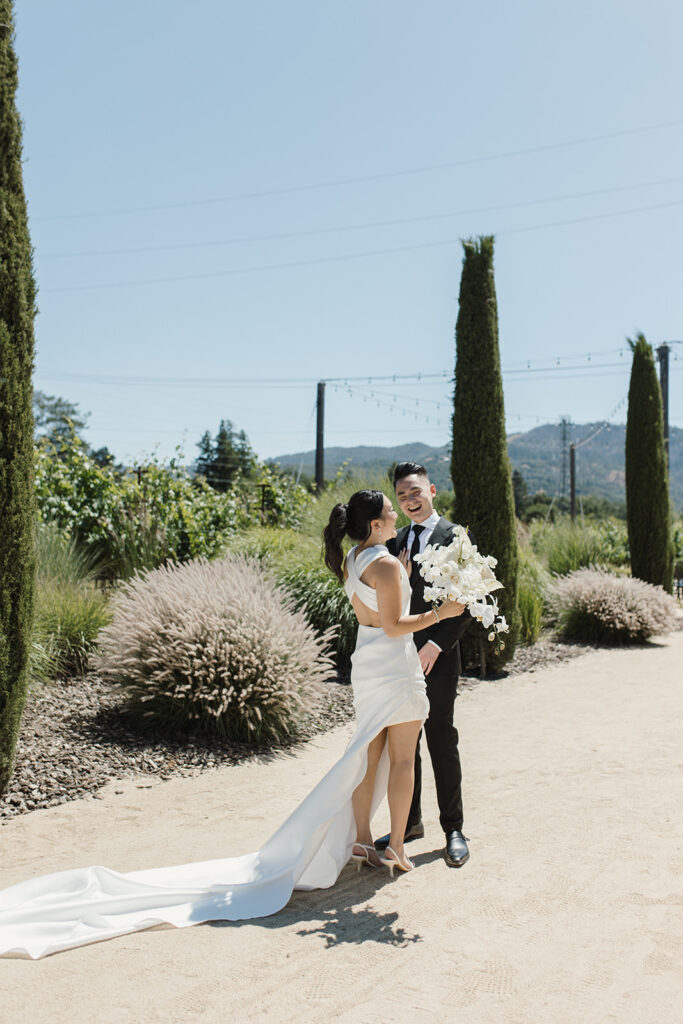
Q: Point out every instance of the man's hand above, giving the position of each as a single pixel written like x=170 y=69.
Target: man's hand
x=404 y=559
x=428 y=654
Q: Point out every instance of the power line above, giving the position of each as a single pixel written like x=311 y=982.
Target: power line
x=361 y=179
x=356 y=255
x=378 y=380
x=356 y=227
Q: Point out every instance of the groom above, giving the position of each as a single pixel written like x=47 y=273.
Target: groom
x=439 y=653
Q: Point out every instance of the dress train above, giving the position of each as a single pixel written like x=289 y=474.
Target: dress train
x=73 y=908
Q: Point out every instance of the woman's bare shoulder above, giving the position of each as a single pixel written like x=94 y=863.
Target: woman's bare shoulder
x=387 y=567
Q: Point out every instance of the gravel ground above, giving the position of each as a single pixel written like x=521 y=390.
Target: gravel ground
x=74 y=738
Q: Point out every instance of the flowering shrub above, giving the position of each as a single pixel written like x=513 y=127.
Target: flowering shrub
x=215 y=645
x=594 y=605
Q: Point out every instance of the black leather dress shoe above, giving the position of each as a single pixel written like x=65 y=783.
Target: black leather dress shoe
x=415 y=831
x=456 y=852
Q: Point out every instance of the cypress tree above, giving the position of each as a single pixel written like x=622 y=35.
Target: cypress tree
x=648 y=511
x=17 y=310
x=480 y=466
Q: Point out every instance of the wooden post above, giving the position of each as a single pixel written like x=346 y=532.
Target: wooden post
x=320 y=439
x=572 y=481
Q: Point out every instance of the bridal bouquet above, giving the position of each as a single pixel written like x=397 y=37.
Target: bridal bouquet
x=458 y=572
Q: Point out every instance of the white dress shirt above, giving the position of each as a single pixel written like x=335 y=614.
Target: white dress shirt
x=427 y=530
x=424 y=538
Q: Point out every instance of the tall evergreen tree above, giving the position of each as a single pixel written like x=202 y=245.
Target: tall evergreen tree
x=480 y=466
x=205 y=457
x=17 y=311
x=520 y=492
x=226 y=457
x=648 y=511
x=57 y=419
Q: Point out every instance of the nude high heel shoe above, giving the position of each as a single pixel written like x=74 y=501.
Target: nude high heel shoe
x=359 y=859
x=395 y=861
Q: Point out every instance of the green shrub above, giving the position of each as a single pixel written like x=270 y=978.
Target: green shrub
x=279 y=549
x=322 y=599
x=68 y=619
x=531 y=612
x=533 y=582
x=595 y=606
x=443 y=503
x=139 y=519
x=69 y=611
x=295 y=560
x=565 y=547
x=315 y=519
x=59 y=558
x=216 y=646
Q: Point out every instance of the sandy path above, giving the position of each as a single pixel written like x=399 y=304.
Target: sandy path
x=568 y=911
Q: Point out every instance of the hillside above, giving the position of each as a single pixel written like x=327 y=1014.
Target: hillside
x=537 y=454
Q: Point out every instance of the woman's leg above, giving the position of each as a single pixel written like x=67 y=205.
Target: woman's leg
x=402 y=740
x=362 y=795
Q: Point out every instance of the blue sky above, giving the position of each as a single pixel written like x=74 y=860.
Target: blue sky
x=209 y=187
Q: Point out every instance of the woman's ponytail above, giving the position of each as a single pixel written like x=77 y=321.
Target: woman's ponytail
x=354 y=519
x=333 y=535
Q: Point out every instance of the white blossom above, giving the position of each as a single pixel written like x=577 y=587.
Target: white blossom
x=458 y=572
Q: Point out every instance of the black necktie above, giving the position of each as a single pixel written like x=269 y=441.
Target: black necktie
x=415 y=546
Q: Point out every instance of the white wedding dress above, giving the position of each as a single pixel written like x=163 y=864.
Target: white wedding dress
x=72 y=908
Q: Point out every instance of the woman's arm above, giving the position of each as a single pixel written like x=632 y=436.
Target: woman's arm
x=387 y=582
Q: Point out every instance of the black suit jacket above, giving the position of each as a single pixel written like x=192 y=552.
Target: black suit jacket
x=447 y=633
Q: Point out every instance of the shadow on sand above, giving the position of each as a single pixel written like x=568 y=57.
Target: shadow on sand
x=343 y=914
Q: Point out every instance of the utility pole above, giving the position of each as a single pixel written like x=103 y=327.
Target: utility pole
x=564 y=438
x=320 y=439
x=572 y=481
x=663 y=356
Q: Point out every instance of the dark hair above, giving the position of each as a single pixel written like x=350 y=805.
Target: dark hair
x=352 y=519
x=408 y=469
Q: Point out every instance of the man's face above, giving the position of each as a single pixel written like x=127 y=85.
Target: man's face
x=415 y=496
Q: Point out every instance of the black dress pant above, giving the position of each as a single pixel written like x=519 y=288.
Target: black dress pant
x=442 y=742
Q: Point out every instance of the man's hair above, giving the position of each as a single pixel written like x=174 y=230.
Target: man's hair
x=408 y=469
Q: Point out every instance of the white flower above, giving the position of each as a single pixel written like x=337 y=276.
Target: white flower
x=458 y=572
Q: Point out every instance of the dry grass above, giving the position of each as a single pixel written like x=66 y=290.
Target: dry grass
x=596 y=606
x=215 y=645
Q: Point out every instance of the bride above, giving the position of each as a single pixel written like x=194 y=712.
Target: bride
x=72 y=908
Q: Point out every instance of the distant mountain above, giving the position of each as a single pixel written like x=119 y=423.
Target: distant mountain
x=367 y=459
x=537 y=454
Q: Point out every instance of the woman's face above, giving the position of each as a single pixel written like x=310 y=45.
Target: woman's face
x=388 y=521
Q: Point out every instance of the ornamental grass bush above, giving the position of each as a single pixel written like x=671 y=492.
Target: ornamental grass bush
x=216 y=646
x=595 y=606
x=532 y=585
x=566 y=546
x=69 y=611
